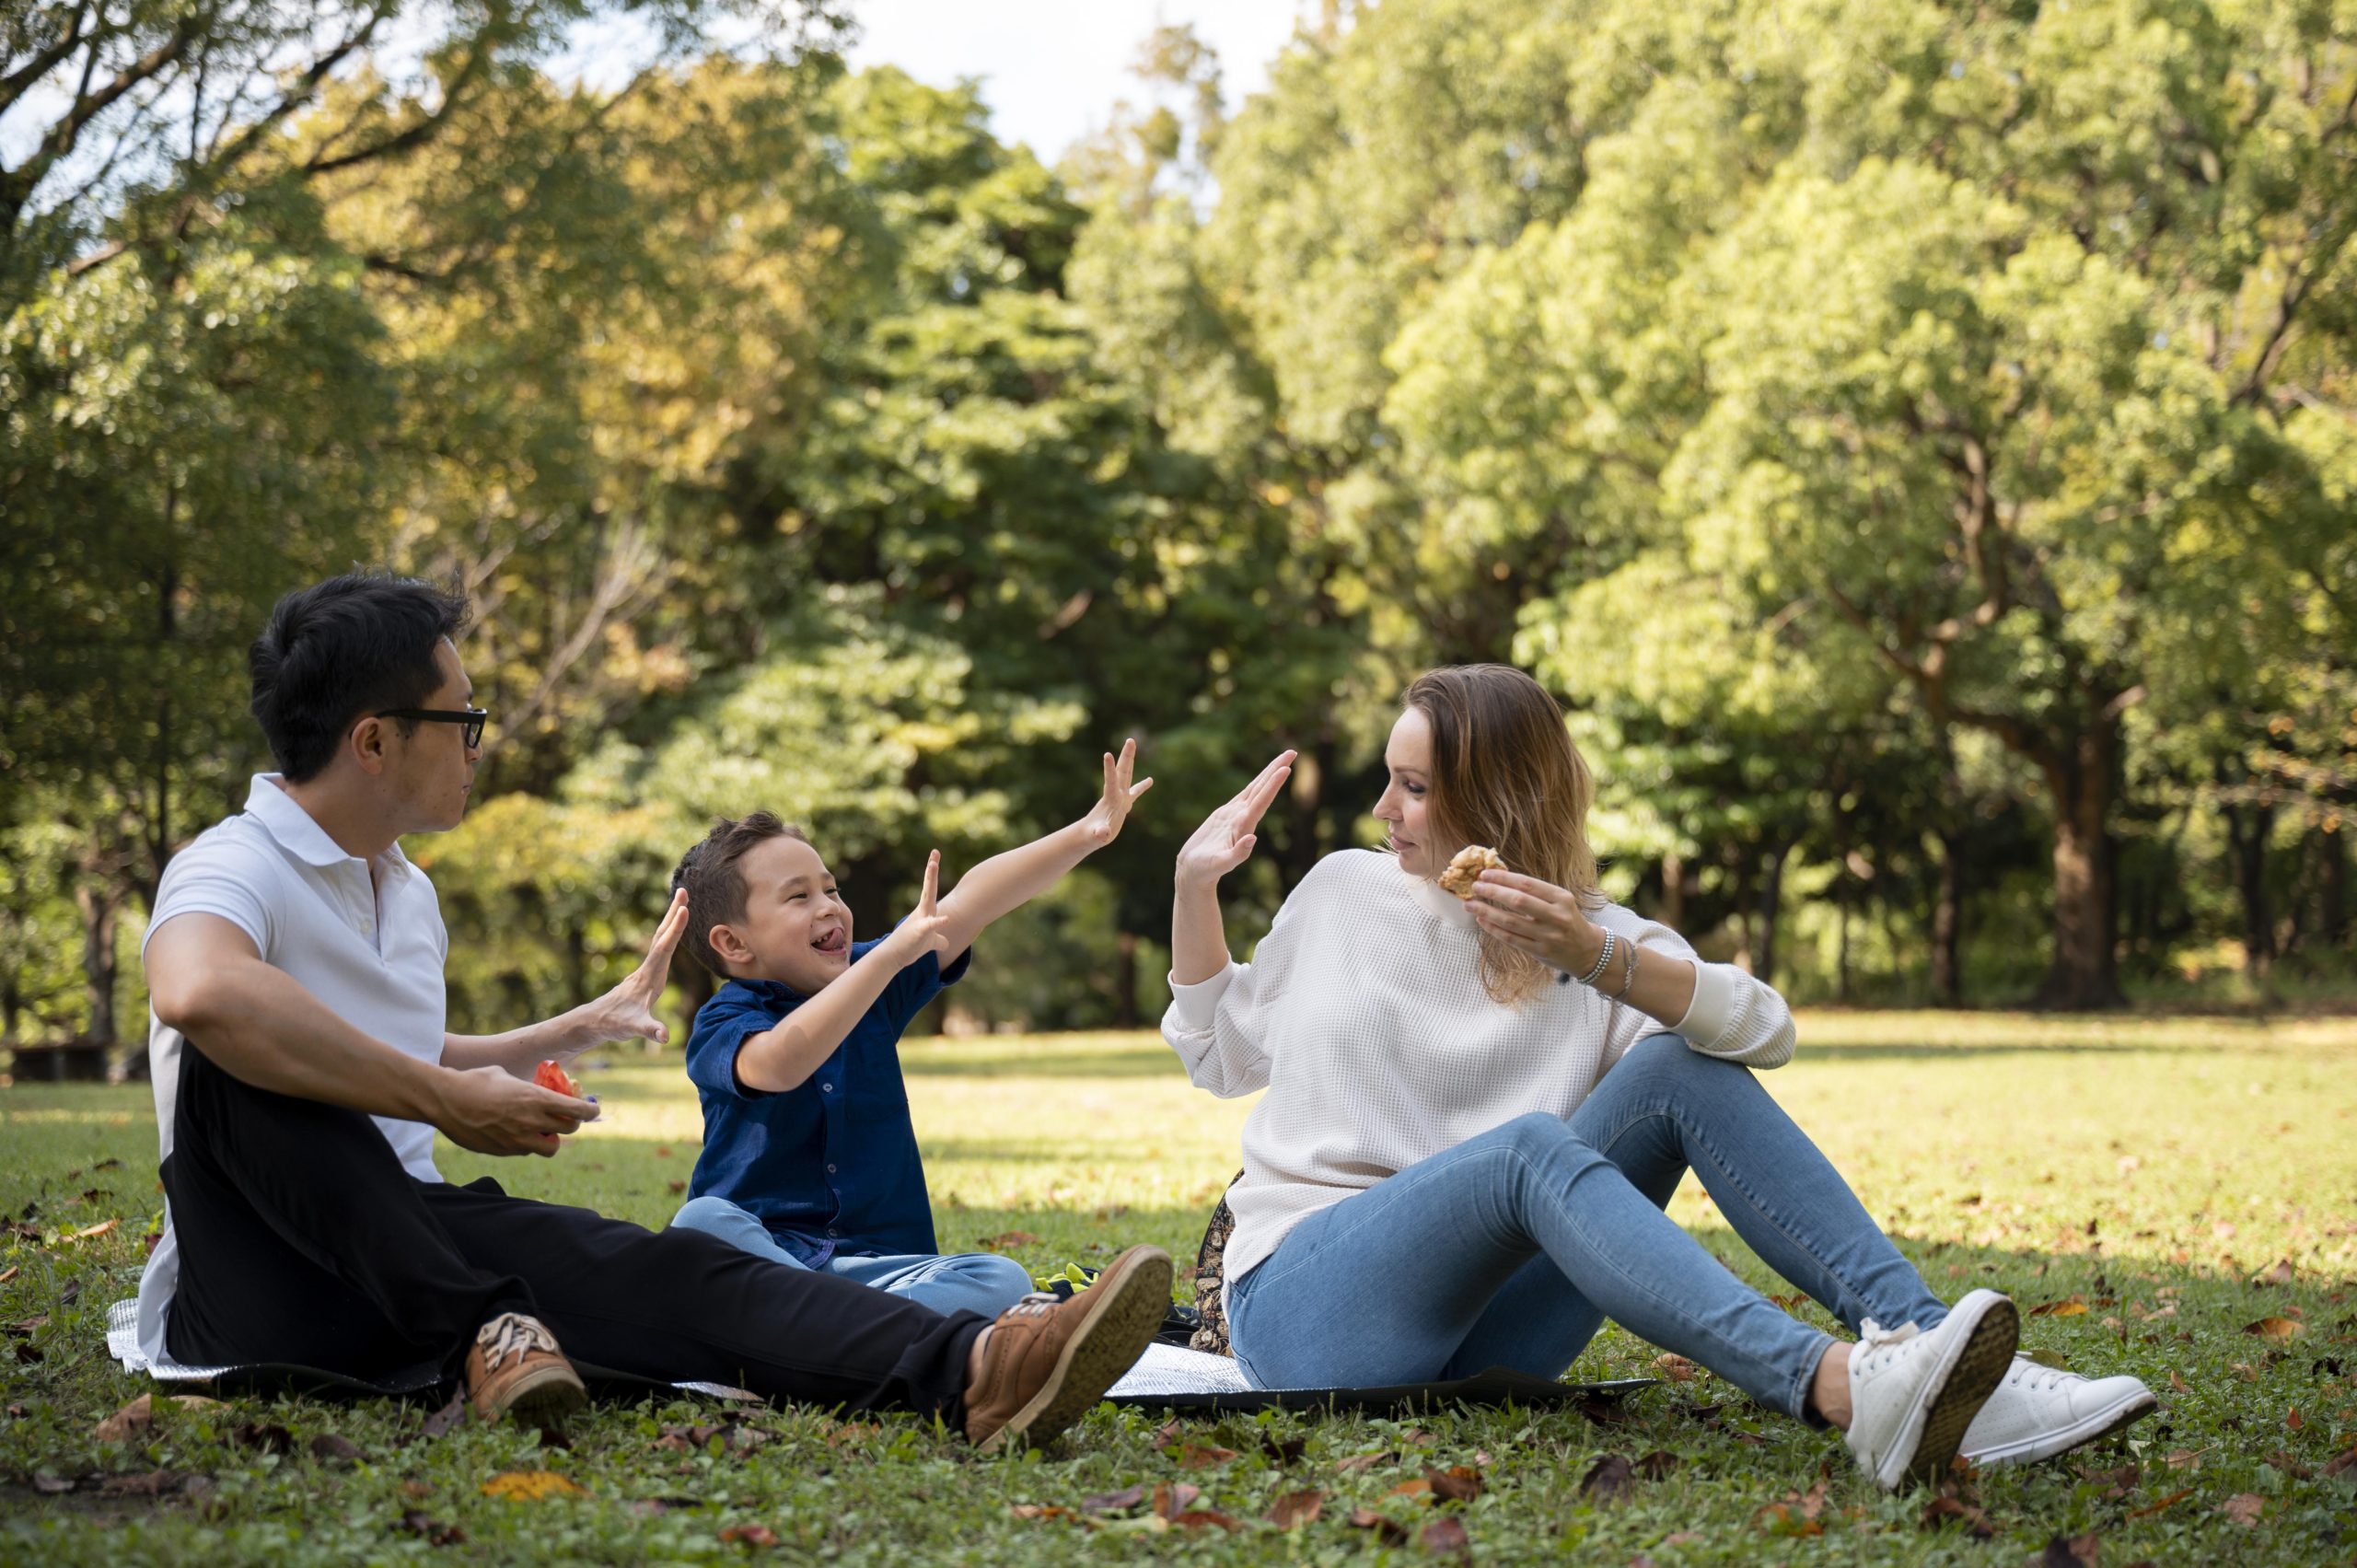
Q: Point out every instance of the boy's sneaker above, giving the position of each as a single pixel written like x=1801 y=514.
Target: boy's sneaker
x=2038 y=1411
x=1049 y=1360
x=513 y=1368
x=1913 y=1394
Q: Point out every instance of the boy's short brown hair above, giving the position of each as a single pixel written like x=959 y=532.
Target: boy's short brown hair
x=715 y=888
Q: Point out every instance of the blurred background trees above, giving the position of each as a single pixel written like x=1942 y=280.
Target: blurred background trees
x=1920 y=445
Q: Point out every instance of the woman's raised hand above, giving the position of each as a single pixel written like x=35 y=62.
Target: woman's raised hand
x=1224 y=841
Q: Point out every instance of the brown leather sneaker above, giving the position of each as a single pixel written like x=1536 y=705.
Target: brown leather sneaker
x=513 y=1368
x=1049 y=1360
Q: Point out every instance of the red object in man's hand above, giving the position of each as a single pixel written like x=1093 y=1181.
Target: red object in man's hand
x=552 y=1077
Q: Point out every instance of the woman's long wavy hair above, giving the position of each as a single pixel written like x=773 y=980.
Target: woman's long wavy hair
x=1505 y=773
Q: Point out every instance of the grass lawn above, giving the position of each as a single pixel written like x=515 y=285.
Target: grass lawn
x=2150 y=1176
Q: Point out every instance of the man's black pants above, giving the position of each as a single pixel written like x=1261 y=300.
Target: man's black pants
x=303 y=1241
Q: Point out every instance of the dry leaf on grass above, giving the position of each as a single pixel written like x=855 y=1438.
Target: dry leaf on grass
x=328 y=1448
x=2171 y=1501
x=2072 y=1551
x=134 y=1419
x=749 y=1535
x=1674 y=1367
x=417 y=1522
x=90 y=1232
x=1458 y=1483
x=2069 y=1306
x=1298 y=1508
x=1419 y=1487
x=1196 y=1518
x=1657 y=1464
x=2243 y=1508
x=1386 y=1531
x=1171 y=1498
x=1446 y=1537
x=2344 y=1465
x=1609 y=1479
x=530 y=1486
x=2276 y=1329
x=1114 y=1502
x=1941 y=1512
x=1200 y=1456
x=1042 y=1511
x=449 y=1416
x=1358 y=1462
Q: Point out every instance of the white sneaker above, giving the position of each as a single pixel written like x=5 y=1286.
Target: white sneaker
x=2038 y=1411
x=1913 y=1394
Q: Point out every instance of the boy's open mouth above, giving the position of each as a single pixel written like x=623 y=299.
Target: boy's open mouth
x=834 y=941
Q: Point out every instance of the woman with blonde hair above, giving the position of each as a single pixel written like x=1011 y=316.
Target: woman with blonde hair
x=1479 y=1102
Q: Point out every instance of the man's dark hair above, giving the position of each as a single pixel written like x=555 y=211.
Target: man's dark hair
x=715 y=888
x=339 y=650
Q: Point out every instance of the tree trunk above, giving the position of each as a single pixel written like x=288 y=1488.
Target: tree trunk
x=2332 y=893
x=1673 y=892
x=1947 y=925
x=2247 y=827
x=1125 y=982
x=1771 y=890
x=2081 y=783
x=100 y=906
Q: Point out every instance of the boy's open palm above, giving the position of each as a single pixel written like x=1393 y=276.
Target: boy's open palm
x=1103 y=823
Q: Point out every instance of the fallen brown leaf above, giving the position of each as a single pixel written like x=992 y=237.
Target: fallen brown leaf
x=2112 y=1485
x=328 y=1448
x=1298 y=1508
x=1609 y=1479
x=92 y=1231
x=1042 y=1511
x=1358 y=1462
x=268 y=1437
x=2243 y=1508
x=2185 y=1458
x=2282 y=1275
x=1114 y=1502
x=1202 y=1455
x=1171 y=1497
x=449 y=1416
x=1419 y=1487
x=2069 y=1306
x=134 y=1419
x=2276 y=1329
x=1196 y=1518
x=749 y=1535
x=1458 y=1483
x=2171 y=1501
x=1010 y=1239
x=2346 y=1464
x=1675 y=1368
x=1944 y=1511
x=1446 y=1537
x=1283 y=1452
x=154 y=1483
x=1657 y=1464
x=2075 y=1551
x=1386 y=1531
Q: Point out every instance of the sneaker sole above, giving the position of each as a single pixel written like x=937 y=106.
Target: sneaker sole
x=1129 y=1301
x=2125 y=1412
x=543 y=1397
x=1972 y=1374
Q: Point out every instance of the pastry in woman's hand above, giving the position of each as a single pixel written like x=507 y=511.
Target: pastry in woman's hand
x=1470 y=861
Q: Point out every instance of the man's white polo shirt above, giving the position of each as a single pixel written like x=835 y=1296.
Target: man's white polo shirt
x=364 y=937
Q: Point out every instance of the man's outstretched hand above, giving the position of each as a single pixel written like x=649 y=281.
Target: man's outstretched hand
x=627 y=1012
x=491 y=1111
x=1103 y=823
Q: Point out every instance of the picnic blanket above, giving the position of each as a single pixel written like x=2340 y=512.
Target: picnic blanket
x=1166 y=1377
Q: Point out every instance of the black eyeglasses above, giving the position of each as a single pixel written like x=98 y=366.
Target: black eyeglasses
x=473 y=718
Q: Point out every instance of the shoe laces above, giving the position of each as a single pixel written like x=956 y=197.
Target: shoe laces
x=2035 y=1376
x=1039 y=1303
x=1878 y=1345
x=509 y=1335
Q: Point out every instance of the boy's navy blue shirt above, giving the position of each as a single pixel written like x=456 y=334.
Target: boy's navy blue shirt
x=831 y=1166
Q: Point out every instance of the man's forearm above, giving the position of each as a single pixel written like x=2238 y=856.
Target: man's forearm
x=1198 y=935
x=1006 y=882
x=519 y=1051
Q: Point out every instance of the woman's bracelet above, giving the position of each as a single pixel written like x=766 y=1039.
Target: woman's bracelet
x=1627 y=973
x=1603 y=960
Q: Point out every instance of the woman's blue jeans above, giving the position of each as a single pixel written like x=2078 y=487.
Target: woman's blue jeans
x=1511 y=1249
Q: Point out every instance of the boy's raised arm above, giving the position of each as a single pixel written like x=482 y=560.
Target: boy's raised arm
x=1009 y=881
x=783 y=1056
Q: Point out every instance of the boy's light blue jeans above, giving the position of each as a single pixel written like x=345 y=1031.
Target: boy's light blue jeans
x=977 y=1281
x=1512 y=1248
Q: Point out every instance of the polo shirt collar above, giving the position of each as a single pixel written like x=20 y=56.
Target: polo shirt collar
x=297 y=831
x=770 y=991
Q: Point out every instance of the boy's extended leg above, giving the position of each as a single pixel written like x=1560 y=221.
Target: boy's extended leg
x=681 y=1305
x=970 y=1282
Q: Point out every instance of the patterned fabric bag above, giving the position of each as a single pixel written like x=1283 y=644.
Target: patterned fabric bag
x=1210 y=1275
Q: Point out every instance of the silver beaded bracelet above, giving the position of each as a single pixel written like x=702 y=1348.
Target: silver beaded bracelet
x=1603 y=960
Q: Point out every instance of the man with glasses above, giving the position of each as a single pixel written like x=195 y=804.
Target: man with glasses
x=293 y=964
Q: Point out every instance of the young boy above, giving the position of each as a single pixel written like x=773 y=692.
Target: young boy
x=810 y=1158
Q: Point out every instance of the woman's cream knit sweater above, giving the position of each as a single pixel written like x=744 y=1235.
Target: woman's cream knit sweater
x=1362 y=1015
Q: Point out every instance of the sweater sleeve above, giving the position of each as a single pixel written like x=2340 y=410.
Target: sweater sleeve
x=1220 y=1027
x=1733 y=1015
